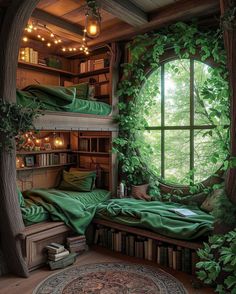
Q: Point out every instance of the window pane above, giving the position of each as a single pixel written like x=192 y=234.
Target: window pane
x=177 y=156
x=151 y=150
x=151 y=91
x=208 y=153
x=201 y=106
x=177 y=93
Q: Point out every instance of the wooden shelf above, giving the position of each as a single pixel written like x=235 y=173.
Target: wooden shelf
x=92 y=153
x=45 y=68
x=149 y=234
x=46 y=166
x=42 y=151
x=94 y=72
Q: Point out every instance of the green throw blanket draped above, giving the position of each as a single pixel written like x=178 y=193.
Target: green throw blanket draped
x=156 y=216
x=59 y=99
x=67 y=206
x=77 y=209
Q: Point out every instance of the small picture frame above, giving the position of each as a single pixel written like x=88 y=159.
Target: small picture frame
x=29 y=161
x=47 y=146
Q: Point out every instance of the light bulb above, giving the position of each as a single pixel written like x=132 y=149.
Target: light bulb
x=25 y=39
x=93 y=26
x=64 y=49
x=49 y=44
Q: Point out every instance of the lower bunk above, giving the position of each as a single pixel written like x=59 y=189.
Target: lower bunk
x=71 y=212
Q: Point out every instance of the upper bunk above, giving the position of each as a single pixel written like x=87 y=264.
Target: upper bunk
x=74 y=89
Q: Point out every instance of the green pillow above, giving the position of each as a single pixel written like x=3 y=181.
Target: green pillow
x=211 y=200
x=78 y=181
x=82 y=90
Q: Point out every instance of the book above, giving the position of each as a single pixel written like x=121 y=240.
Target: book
x=170 y=256
x=58 y=256
x=64 y=262
x=55 y=248
x=183 y=212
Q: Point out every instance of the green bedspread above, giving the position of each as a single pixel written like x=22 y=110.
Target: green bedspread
x=156 y=216
x=77 y=209
x=67 y=206
x=59 y=99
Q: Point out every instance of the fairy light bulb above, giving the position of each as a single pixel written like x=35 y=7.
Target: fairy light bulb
x=49 y=44
x=25 y=39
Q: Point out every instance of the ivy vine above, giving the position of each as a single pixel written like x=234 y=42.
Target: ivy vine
x=14 y=121
x=146 y=50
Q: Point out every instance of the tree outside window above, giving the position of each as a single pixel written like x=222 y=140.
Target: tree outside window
x=187 y=127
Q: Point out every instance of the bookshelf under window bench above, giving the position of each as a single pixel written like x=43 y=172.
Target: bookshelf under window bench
x=186 y=249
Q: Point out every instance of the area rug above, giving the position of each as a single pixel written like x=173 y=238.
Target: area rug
x=110 y=278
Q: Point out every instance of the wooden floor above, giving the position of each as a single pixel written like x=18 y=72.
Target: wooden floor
x=13 y=285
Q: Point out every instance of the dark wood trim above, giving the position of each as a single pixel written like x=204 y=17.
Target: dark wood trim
x=57 y=21
x=39 y=67
x=126 y=11
x=179 y=11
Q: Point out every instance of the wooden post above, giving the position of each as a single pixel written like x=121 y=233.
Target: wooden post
x=11 y=224
x=230 y=45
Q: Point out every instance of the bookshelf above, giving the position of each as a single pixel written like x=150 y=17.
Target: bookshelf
x=140 y=243
x=93 y=150
x=45 y=68
x=97 y=70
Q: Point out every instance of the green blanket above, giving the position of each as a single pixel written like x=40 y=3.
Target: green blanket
x=67 y=206
x=77 y=209
x=156 y=216
x=59 y=99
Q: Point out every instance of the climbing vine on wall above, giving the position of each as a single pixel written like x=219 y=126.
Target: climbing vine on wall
x=146 y=51
x=15 y=120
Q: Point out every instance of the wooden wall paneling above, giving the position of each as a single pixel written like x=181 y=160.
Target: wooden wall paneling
x=25 y=77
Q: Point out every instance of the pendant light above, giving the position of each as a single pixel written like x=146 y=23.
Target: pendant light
x=93 y=19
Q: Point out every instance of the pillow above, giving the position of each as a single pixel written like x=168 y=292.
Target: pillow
x=82 y=90
x=211 y=200
x=140 y=192
x=78 y=181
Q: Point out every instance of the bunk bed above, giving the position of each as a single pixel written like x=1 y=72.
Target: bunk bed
x=56 y=98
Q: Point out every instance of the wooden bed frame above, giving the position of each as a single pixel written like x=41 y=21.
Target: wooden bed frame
x=35 y=237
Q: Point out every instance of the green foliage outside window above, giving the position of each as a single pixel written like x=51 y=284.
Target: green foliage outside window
x=134 y=153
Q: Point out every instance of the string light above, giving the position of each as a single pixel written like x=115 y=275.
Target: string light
x=52 y=39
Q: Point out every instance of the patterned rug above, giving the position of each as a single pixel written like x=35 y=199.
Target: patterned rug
x=110 y=278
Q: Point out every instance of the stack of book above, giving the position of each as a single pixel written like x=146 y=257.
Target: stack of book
x=56 y=252
x=77 y=244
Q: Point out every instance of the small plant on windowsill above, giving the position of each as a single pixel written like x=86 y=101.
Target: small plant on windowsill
x=14 y=121
x=218 y=262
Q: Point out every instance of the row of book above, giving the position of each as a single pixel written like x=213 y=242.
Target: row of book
x=93 y=64
x=175 y=257
x=47 y=159
x=28 y=54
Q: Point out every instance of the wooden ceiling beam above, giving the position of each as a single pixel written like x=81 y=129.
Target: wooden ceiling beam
x=57 y=21
x=183 y=10
x=125 y=11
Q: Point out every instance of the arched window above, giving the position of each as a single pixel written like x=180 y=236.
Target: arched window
x=186 y=131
